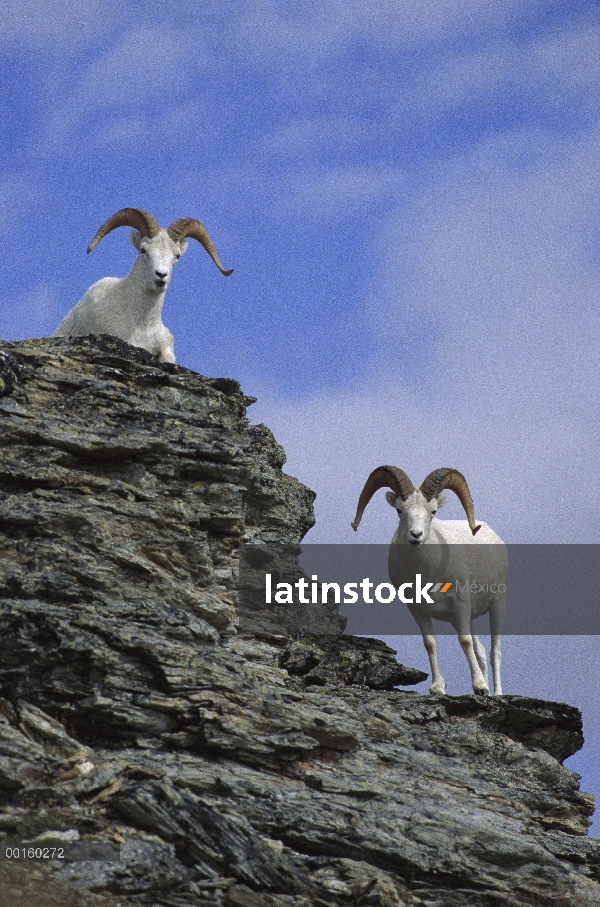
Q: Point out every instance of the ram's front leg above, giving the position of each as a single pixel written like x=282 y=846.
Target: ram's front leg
x=438 y=684
x=163 y=345
x=462 y=624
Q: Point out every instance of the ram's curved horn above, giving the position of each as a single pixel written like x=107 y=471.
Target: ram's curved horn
x=143 y=222
x=382 y=477
x=188 y=226
x=454 y=480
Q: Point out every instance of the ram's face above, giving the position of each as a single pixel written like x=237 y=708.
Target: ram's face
x=415 y=515
x=157 y=257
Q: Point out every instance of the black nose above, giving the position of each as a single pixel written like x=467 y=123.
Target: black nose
x=161 y=274
x=416 y=535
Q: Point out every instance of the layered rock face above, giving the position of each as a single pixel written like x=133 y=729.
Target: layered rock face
x=243 y=769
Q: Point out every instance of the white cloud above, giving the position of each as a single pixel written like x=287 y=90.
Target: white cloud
x=549 y=70
x=151 y=61
x=134 y=89
x=174 y=126
x=304 y=137
x=32 y=314
x=273 y=30
x=495 y=246
x=337 y=191
x=570 y=56
x=19 y=192
x=57 y=24
x=125 y=132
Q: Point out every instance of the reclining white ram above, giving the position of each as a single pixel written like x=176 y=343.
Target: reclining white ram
x=466 y=564
x=130 y=307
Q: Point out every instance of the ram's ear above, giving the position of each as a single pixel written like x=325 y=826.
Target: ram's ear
x=441 y=500
x=391 y=498
x=135 y=239
x=183 y=244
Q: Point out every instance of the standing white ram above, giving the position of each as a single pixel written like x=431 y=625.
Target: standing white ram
x=470 y=557
x=131 y=307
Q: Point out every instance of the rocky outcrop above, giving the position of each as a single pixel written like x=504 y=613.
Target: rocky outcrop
x=242 y=769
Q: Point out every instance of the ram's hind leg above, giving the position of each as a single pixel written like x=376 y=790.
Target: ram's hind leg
x=480 y=656
x=497 y=611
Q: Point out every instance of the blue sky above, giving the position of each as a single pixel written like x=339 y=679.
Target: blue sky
x=408 y=192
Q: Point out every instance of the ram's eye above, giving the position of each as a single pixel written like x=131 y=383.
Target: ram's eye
x=143 y=252
x=433 y=512
x=177 y=257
